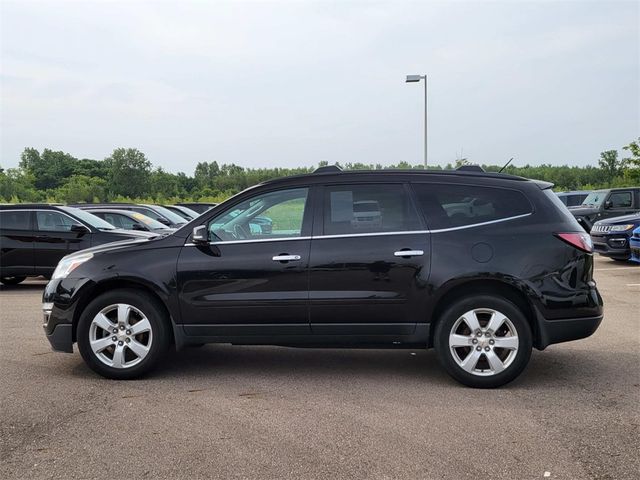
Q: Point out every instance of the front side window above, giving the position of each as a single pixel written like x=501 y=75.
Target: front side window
x=267 y=216
x=54 y=222
x=620 y=200
x=353 y=209
x=15 y=220
x=448 y=206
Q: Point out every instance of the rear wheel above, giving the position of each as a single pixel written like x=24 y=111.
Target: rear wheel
x=122 y=334
x=11 y=280
x=483 y=341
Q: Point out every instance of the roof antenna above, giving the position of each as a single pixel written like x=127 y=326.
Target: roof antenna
x=505 y=165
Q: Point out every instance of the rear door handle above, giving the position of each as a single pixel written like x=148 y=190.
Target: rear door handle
x=286 y=258
x=408 y=253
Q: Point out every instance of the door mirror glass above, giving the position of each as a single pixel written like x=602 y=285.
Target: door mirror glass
x=608 y=204
x=200 y=235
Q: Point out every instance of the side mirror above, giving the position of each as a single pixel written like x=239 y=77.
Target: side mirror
x=608 y=204
x=200 y=235
x=76 y=228
x=137 y=226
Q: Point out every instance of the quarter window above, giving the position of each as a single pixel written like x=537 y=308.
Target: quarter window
x=54 y=222
x=268 y=216
x=15 y=220
x=448 y=206
x=353 y=209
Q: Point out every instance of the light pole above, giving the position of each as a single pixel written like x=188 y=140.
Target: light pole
x=413 y=79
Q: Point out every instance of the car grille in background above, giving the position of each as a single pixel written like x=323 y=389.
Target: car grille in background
x=601 y=228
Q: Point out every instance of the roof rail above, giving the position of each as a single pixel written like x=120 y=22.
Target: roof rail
x=470 y=168
x=328 y=169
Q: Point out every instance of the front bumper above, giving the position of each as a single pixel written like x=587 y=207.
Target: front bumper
x=61 y=338
x=614 y=245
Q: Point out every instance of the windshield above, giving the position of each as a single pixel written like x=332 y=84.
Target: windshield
x=595 y=198
x=188 y=211
x=168 y=214
x=89 y=218
x=149 y=222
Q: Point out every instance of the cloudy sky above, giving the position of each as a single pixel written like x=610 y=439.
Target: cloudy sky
x=293 y=83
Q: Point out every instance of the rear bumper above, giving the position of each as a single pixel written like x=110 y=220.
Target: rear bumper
x=565 y=330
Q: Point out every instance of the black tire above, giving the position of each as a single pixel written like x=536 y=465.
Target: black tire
x=160 y=329
x=11 y=280
x=449 y=319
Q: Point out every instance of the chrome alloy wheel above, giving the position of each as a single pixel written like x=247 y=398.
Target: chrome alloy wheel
x=120 y=335
x=483 y=342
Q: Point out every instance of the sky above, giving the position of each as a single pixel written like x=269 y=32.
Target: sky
x=284 y=84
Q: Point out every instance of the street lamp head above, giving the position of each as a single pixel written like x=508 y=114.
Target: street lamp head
x=414 y=78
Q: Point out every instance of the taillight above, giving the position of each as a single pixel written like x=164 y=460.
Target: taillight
x=579 y=240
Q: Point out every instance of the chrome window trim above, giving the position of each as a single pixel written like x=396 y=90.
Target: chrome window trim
x=371 y=234
x=472 y=225
x=44 y=210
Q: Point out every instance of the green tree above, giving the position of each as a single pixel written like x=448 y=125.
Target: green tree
x=610 y=164
x=81 y=188
x=129 y=172
x=632 y=163
x=50 y=169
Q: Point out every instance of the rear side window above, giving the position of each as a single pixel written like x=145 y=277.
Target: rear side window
x=449 y=206
x=54 y=222
x=351 y=209
x=15 y=220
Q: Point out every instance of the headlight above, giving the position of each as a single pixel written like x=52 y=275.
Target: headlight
x=621 y=228
x=68 y=265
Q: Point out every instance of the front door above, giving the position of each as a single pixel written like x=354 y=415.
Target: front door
x=619 y=203
x=369 y=262
x=252 y=278
x=56 y=238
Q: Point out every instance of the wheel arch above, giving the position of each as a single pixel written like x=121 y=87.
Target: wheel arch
x=488 y=286
x=117 y=283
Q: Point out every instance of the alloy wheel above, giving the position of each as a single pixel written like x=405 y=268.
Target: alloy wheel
x=483 y=342
x=120 y=336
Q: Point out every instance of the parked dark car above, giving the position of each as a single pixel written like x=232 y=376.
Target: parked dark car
x=601 y=204
x=483 y=288
x=160 y=214
x=130 y=220
x=573 y=199
x=611 y=237
x=34 y=237
x=185 y=212
x=199 y=207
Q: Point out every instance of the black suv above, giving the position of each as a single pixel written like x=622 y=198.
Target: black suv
x=481 y=266
x=34 y=237
x=601 y=204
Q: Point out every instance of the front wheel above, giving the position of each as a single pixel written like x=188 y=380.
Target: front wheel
x=12 y=280
x=123 y=333
x=483 y=341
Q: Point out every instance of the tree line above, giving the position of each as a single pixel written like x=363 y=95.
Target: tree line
x=128 y=175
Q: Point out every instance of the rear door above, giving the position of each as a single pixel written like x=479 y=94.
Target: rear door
x=54 y=239
x=369 y=262
x=16 y=242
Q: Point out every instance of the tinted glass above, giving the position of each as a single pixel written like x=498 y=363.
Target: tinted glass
x=270 y=215
x=54 y=221
x=350 y=209
x=447 y=206
x=88 y=217
x=620 y=199
x=15 y=220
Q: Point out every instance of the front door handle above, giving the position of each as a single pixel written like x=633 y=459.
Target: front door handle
x=286 y=258
x=408 y=253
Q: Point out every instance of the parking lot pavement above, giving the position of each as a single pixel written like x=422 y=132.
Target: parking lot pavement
x=269 y=412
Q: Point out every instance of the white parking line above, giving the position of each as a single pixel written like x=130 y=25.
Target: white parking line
x=633 y=284
x=615 y=268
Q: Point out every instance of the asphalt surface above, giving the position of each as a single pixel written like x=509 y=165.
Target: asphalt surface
x=269 y=412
